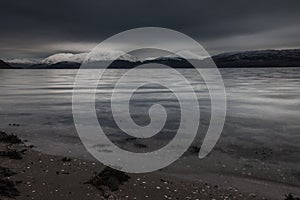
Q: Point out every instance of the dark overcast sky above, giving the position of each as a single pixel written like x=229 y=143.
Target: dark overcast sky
x=38 y=28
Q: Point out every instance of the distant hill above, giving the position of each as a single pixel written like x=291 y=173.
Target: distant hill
x=260 y=58
x=4 y=65
x=59 y=65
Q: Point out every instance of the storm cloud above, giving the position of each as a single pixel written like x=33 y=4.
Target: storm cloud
x=35 y=28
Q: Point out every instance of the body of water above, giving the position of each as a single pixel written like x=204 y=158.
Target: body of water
x=261 y=132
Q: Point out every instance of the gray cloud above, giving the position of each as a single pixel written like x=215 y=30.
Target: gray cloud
x=35 y=28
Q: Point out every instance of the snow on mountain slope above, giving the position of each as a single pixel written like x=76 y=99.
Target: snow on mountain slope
x=191 y=55
x=111 y=55
x=24 y=61
x=182 y=54
x=96 y=56
x=64 y=57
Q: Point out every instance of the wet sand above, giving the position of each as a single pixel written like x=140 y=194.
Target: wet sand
x=28 y=174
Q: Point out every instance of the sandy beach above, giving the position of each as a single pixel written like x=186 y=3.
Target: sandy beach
x=29 y=174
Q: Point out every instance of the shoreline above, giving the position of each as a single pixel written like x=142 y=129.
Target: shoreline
x=29 y=174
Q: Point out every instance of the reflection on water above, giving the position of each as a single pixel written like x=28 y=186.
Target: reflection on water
x=262 y=121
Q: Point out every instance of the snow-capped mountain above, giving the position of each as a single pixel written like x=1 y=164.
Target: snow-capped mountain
x=95 y=57
x=64 y=57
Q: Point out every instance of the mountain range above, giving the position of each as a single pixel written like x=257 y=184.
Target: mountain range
x=258 y=58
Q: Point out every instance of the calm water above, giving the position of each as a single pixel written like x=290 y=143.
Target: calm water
x=262 y=123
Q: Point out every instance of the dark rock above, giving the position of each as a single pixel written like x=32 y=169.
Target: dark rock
x=109 y=177
x=194 y=149
x=12 y=154
x=291 y=197
x=166 y=181
x=7 y=189
x=4 y=172
x=10 y=139
x=66 y=159
x=23 y=151
x=19 y=182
